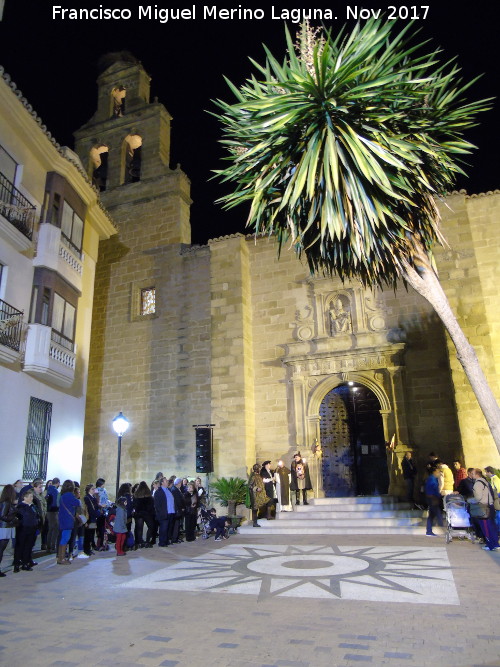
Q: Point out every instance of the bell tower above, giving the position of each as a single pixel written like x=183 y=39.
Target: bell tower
x=125 y=147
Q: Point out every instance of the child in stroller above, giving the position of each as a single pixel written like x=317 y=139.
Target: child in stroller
x=109 y=533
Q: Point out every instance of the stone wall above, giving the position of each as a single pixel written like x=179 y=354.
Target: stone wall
x=469 y=271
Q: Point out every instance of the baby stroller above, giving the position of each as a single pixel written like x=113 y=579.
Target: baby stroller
x=204 y=522
x=457 y=518
x=109 y=533
x=209 y=525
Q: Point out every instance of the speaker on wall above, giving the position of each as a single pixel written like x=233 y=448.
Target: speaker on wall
x=204 y=450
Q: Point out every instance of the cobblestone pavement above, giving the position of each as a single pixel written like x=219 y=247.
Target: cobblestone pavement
x=263 y=601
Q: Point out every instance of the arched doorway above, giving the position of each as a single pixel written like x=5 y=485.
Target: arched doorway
x=352 y=440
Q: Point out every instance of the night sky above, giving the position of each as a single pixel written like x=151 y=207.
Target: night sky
x=54 y=63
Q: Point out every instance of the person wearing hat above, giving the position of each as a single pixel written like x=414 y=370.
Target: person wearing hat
x=258 y=495
x=301 y=480
x=268 y=479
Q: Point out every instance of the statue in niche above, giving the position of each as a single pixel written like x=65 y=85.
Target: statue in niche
x=340 y=318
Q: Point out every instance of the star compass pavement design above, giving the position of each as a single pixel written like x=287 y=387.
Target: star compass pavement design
x=386 y=574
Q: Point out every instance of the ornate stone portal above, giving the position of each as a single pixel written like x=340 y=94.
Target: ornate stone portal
x=342 y=337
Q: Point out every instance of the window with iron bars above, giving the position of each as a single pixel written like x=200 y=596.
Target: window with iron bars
x=148 y=301
x=37 y=439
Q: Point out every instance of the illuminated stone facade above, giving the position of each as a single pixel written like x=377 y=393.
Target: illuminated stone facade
x=253 y=344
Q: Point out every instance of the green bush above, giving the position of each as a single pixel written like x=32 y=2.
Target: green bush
x=229 y=492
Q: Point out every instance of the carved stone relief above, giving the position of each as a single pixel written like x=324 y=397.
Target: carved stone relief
x=374 y=312
x=339 y=315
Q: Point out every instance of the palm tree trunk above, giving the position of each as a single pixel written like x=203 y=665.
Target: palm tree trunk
x=426 y=283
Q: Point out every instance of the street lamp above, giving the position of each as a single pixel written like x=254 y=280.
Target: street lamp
x=120 y=425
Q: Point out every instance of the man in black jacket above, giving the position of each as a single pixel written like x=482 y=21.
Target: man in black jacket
x=409 y=473
x=165 y=511
x=179 y=510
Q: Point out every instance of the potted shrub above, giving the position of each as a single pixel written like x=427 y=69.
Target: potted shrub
x=230 y=492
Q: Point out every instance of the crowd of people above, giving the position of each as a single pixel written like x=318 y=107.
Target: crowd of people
x=166 y=512
x=479 y=488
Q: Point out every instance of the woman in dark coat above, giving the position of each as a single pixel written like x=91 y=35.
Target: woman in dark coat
x=29 y=522
x=91 y=501
x=144 y=513
x=301 y=481
x=191 y=501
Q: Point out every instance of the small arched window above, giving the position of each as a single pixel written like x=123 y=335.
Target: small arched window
x=99 y=165
x=132 y=146
x=118 y=101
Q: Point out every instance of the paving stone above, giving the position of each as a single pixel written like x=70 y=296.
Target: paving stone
x=228 y=630
x=358 y=658
x=148 y=625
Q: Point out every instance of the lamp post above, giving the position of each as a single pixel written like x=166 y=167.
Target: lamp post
x=120 y=425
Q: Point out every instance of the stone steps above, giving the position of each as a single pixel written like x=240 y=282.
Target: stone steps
x=351 y=514
x=362 y=515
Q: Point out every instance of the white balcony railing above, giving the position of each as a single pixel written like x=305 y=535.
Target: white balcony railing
x=54 y=254
x=47 y=359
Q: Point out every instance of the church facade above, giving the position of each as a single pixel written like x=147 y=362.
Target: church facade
x=278 y=360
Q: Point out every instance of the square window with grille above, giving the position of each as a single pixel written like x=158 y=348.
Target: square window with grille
x=148 y=301
x=144 y=302
x=37 y=439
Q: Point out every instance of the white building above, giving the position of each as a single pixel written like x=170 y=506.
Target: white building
x=51 y=222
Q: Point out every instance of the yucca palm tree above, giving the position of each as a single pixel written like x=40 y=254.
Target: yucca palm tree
x=342 y=150
x=229 y=492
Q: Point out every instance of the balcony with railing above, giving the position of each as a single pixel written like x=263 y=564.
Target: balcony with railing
x=17 y=215
x=11 y=328
x=49 y=356
x=54 y=252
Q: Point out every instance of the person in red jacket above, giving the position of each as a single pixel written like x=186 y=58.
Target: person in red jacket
x=459 y=473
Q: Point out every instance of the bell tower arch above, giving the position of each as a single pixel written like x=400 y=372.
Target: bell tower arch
x=136 y=135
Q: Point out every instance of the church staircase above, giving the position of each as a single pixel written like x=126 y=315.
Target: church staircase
x=361 y=515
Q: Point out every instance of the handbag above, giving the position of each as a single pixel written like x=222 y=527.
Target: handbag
x=78 y=519
x=479 y=511
x=11 y=518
